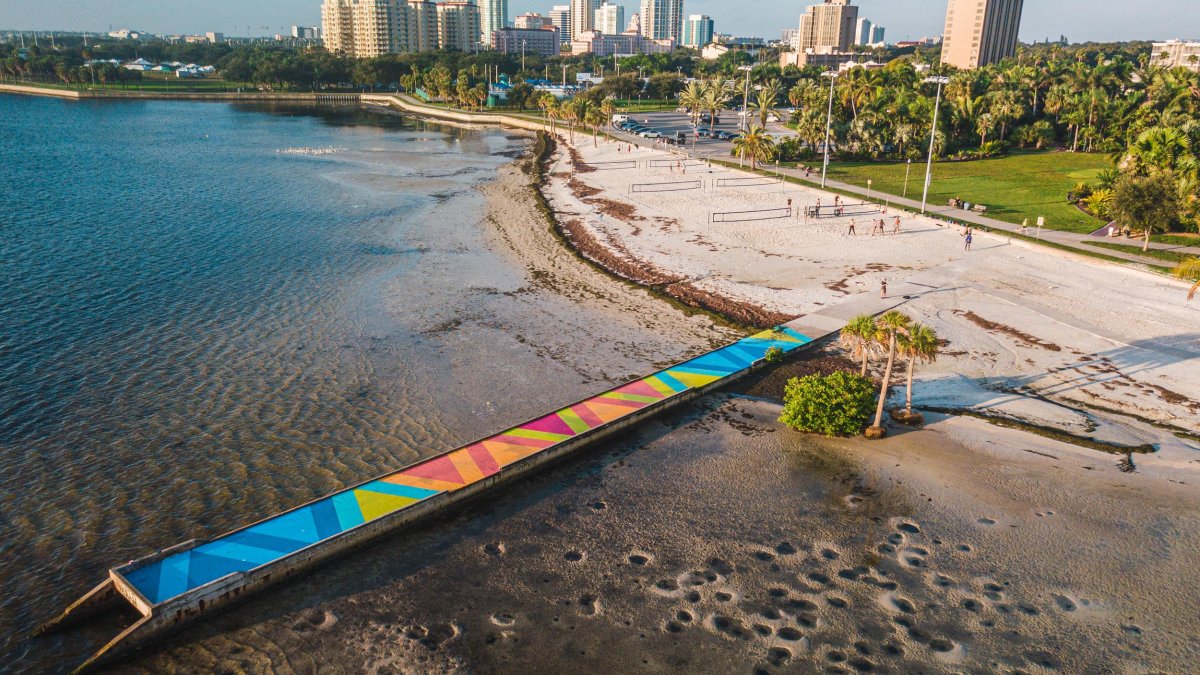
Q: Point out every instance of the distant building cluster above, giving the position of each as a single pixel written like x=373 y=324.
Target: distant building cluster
x=370 y=28
x=188 y=70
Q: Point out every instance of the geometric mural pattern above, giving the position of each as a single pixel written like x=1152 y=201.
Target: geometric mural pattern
x=261 y=544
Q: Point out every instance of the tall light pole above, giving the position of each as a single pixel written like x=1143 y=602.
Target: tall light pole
x=940 y=80
x=746 y=100
x=522 y=55
x=907 y=170
x=832 y=75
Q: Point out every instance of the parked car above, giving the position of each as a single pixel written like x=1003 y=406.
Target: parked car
x=650 y=133
x=703 y=132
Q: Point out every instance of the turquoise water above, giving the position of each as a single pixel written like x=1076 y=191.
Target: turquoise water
x=199 y=328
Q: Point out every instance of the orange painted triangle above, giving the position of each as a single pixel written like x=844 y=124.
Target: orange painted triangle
x=606 y=412
x=506 y=453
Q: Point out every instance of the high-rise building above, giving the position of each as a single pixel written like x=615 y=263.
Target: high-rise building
x=862 y=31
x=635 y=24
x=697 y=31
x=877 y=35
x=610 y=19
x=560 y=16
x=1176 y=54
x=306 y=32
x=531 y=21
x=980 y=32
x=828 y=27
x=458 y=25
x=493 y=15
x=662 y=20
x=790 y=38
x=423 y=25
x=583 y=16
x=366 y=28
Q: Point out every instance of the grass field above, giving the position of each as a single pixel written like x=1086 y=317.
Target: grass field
x=1014 y=187
x=1174 y=257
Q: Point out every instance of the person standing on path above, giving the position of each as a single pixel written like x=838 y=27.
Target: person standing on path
x=967 y=241
x=851 y=230
x=1025 y=226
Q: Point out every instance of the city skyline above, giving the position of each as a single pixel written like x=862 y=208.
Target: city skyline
x=1107 y=20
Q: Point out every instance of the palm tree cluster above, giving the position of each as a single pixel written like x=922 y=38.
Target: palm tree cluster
x=891 y=335
x=577 y=110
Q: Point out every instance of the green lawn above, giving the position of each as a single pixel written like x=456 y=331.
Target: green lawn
x=1174 y=257
x=1014 y=187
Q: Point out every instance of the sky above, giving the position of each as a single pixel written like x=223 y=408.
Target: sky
x=1079 y=20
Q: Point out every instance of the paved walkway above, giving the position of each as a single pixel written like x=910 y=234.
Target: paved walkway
x=1074 y=240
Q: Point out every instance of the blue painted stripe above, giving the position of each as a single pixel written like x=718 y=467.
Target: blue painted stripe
x=671 y=382
x=398 y=490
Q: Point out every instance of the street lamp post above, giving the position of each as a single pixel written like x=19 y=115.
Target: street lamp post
x=868 y=189
x=941 y=80
x=907 y=171
x=746 y=100
x=832 y=75
x=522 y=56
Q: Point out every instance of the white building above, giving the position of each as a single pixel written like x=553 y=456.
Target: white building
x=560 y=16
x=583 y=16
x=532 y=21
x=862 y=31
x=493 y=15
x=698 y=31
x=662 y=20
x=610 y=18
x=1176 y=54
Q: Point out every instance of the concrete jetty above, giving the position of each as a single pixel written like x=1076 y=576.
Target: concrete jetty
x=176 y=585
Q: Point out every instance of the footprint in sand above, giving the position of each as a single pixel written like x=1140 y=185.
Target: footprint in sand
x=589 y=604
x=910 y=528
x=573 y=556
x=495 y=548
x=640 y=558
x=986 y=521
x=503 y=619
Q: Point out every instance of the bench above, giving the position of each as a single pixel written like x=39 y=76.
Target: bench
x=979 y=208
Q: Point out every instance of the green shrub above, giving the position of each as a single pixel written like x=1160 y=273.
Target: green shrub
x=834 y=405
x=773 y=355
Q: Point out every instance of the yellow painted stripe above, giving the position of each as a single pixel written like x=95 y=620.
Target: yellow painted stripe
x=659 y=386
x=567 y=415
x=630 y=397
x=536 y=435
x=693 y=380
x=422 y=482
x=376 y=504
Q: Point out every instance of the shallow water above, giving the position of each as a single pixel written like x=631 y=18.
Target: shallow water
x=201 y=325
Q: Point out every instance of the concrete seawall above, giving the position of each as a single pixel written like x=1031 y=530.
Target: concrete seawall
x=115 y=94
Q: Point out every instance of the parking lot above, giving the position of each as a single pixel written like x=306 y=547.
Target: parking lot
x=669 y=123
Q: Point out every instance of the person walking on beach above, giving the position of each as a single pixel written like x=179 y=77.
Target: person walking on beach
x=967 y=241
x=896 y=226
x=851 y=231
x=882 y=289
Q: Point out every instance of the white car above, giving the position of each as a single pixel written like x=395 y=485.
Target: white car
x=650 y=134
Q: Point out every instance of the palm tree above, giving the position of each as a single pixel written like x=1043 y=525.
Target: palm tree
x=1190 y=270
x=858 y=337
x=756 y=145
x=764 y=104
x=692 y=98
x=569 y=111
x=920 y=344
x=890 y=326
x=607 y=108
x=594 y=117
x=546 y=101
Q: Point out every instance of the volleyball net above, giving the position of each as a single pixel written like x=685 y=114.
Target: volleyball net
x=675 y=186
x=748 y=216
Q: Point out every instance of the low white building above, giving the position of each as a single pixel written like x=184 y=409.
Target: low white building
x=1177 y=54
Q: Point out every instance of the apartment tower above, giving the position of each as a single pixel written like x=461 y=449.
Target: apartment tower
x=829 y=27
x=366 y=28
x=458 y=26
x=423 y=25
x=662 y=20
x=610 y=19
x=560 y=17
x=698 y=31
x=493 y=15
x=583 y=16
x=980 y=32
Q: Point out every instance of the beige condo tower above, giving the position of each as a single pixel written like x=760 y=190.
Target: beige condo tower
x=828 y=27
x=980 y=32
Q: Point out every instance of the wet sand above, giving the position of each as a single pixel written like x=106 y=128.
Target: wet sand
x=717 y=541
